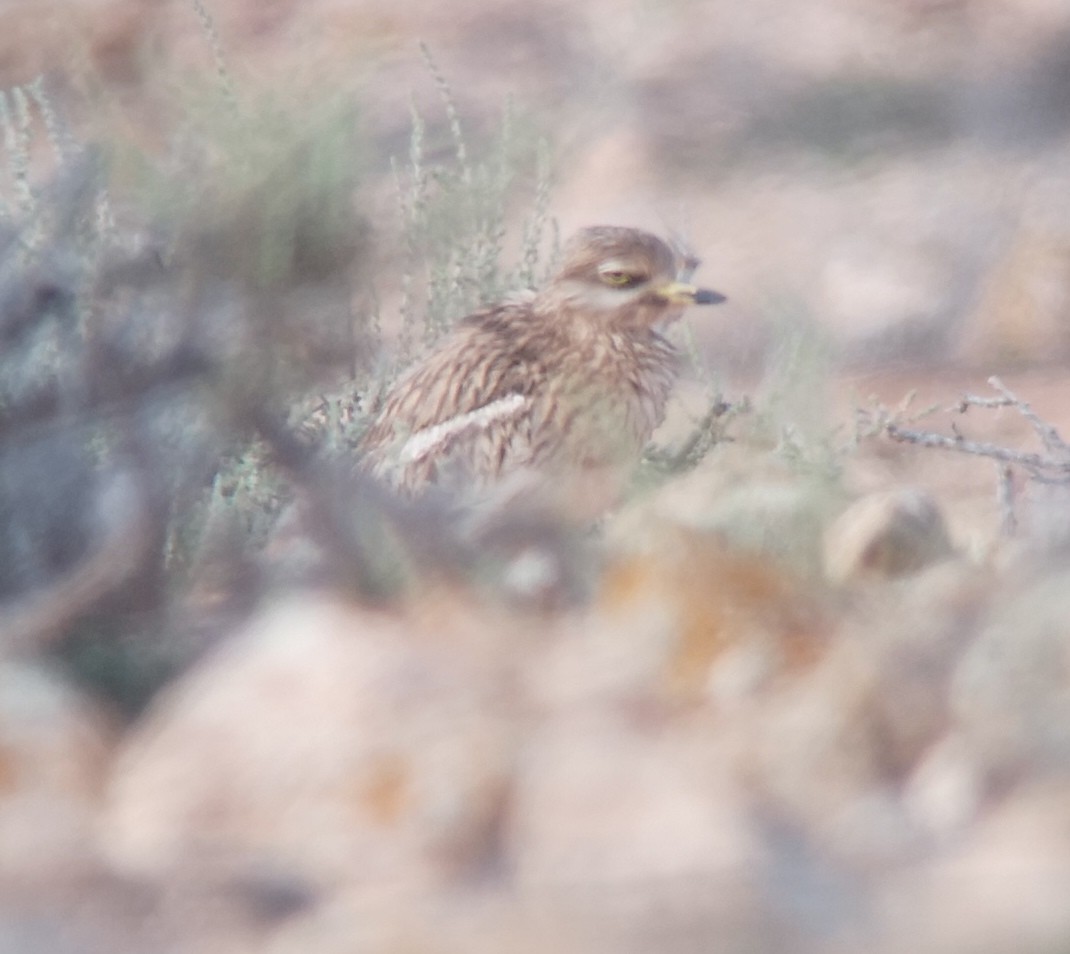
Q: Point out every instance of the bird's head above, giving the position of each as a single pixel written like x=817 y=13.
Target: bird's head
x=620 y=277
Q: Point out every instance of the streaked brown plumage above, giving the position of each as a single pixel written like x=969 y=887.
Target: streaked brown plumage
x=572 y=382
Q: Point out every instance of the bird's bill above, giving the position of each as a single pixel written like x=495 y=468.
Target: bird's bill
x=680 y=293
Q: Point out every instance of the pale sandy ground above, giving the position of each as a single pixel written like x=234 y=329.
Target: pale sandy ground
x=722 y=749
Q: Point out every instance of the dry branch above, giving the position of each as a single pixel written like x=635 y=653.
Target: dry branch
x=1053 y=464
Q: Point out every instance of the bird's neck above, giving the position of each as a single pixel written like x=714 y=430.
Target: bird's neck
x=579 y=324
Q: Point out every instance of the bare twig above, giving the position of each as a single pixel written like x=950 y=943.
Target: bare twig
x=1005 y=498
x=710 y=430
x=208 y=25
x=973 y=400
x=1051 y=466
x=453 y=116
x=1037 y=463
x=363 y=547
x=1048 y=435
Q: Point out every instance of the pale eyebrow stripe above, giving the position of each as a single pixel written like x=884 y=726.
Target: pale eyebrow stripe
x=429 y=439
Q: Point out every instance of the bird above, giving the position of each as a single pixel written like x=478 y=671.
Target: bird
x=566 y=385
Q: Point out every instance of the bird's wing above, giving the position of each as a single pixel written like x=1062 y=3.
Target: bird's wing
x=436 y=438
x=479 y=380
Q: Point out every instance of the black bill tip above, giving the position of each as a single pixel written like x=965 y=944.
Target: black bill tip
x=706 y=297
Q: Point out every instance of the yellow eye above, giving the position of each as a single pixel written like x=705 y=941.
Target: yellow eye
x=617 y=276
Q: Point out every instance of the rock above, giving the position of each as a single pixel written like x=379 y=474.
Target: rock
x=322 y=743
x=610 y=798
x=884 y=535
x=720 y=621
x=55 y=746
x=1003 y=887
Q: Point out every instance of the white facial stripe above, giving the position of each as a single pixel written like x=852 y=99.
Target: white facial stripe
x=430 y=439
x=603 y=297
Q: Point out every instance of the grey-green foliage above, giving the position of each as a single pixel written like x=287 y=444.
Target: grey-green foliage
x=242 y=242
x=791 y=407
x=26 y=113
x=454 y=220
x=455 y=204
x=280 y=217
x=15 y=118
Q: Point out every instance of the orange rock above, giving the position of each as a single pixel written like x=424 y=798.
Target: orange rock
x=716 y=604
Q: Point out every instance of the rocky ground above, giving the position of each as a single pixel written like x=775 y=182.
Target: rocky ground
x=809 y=695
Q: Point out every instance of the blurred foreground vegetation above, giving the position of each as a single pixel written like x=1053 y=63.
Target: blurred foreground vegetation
x=188 y=332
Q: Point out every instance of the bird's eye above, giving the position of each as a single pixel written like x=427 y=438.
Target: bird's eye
x=618 y=277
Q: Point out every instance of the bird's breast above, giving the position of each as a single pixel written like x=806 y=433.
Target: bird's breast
x=609 y=395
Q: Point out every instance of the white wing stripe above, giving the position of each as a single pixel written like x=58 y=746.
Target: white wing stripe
x=424 y=442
